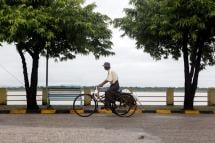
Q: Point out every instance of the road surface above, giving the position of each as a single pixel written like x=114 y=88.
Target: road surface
x=103 y=128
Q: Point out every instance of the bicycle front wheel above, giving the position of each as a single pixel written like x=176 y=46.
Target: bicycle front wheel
x=84 y=105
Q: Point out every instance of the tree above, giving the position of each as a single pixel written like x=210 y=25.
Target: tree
x=179 y=28
x=64 y=28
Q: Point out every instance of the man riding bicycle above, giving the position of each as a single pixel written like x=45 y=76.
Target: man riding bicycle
x=121 y=104
x=112 y=78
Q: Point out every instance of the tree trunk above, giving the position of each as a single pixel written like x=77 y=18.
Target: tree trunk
x=195 y=75
x=32 y=101
x=31 y=90
x=188 y=98
x=191 y=77
x=25 y=73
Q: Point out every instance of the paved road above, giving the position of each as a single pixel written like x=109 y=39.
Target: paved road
x=142 y=128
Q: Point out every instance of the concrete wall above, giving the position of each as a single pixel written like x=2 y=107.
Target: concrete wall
x=3 y=96
x=170 y=97
x=211 y=96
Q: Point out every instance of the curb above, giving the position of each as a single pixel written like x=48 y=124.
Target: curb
x=105 y=111
x=48 y=111
x=192 y=112
x=73 y=112
x=102 y=111
x=139 y=111
x=207 y=112
x=163 y=111
x=18 y=111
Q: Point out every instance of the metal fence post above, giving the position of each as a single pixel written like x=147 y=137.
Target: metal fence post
x=211 y=96
x=170 y=97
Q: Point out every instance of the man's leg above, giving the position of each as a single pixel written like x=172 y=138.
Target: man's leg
x=107 y=98
x=110 y=94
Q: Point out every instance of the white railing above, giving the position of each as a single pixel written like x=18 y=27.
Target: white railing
x=18 y=97
x=61 y=96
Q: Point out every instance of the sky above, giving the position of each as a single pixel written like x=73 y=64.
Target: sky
x=134 y=67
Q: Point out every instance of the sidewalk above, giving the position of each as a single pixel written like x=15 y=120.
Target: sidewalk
x=144 y=109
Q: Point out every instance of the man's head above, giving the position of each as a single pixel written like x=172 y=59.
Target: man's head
x=106 y=65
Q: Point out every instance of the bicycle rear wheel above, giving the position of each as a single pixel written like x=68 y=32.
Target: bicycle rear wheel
x=84 y=105
x=126 y=106
x=131 y=102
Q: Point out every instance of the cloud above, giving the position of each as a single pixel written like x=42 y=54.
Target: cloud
x=134 y=67
x=112 y=8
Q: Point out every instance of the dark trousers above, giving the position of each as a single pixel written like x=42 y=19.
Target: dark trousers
x=111 y=93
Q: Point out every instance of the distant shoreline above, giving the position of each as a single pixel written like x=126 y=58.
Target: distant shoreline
x=155 y=89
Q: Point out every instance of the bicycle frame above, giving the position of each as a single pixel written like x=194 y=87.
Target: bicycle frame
x=97 y=97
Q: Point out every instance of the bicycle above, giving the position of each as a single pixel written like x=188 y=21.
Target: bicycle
x=123 y=105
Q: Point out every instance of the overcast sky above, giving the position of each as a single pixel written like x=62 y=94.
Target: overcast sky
x=134 y=67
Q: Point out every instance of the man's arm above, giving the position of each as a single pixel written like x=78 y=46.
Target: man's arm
x=109 y=79
x=103 y=83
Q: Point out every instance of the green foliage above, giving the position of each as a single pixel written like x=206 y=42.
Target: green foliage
x=63 y=27
x=159 y=27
